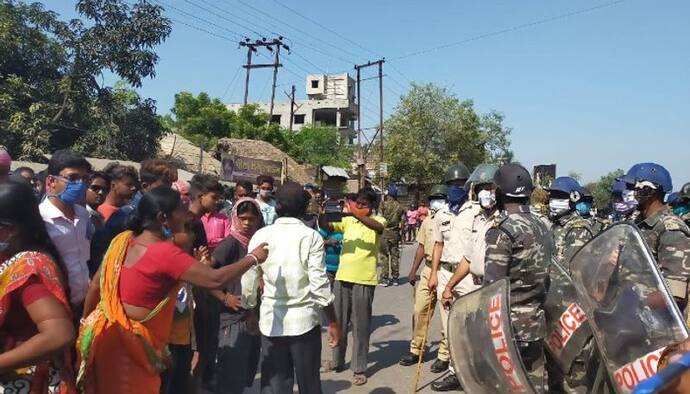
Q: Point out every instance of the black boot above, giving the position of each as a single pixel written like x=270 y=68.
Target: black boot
x=439 y=366
x=450 y=383
x=409 y=359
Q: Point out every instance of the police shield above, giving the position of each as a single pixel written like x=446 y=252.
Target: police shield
x=481 y=342
x=567 y=332
x=629 y=308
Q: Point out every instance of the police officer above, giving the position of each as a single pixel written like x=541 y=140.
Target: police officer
x=423 y=296
x=484 y=188
x=389 y=256
x=570 y=230
x=667 y=236
x=681 y=207
x=623 y=203
x=519 y=247
x=452 y=227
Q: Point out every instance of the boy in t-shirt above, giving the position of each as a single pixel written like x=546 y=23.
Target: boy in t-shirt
x=356 y=278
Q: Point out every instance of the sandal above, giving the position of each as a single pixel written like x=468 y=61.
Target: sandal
x=359 y=379
x=331 y=366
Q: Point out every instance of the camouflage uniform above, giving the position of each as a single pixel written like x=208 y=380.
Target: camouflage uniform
x=669 y=239
x=389 y=256
x=570 y=233
x=520 y=247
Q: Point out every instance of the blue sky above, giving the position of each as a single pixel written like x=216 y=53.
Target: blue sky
x=591 y=92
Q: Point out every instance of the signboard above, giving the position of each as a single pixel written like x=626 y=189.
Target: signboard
x=239 y=168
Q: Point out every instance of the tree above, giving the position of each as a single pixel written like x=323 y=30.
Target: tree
x=432 y=129
x=575 y=175
x=601 y=190
x=320 y=146
x=50 y=97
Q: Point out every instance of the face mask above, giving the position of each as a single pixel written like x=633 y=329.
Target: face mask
x=436 y=205
x=681 y=210
x=265 y=193
x=73 y=193
x=622 y=208
x=559 y=206
x=487 y=199
x=456 y=194
x=584 y=208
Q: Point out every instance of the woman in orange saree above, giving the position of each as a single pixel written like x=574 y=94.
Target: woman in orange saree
x=122 y=342
x=36 y=329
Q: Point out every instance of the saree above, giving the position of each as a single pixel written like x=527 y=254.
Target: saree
x=52 y=376
x=117 y=354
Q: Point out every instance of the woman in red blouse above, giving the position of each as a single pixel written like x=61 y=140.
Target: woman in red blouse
x=122 y=341
x=36 y=328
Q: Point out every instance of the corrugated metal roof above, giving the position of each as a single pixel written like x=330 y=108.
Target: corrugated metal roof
x=335 y=171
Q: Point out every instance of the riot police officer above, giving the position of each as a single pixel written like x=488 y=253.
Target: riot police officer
x=570 y=230
x=623 y=202
x=681 y=208
x=451 y=231
x=667 y=236
x=519 y=247
x=423 y=298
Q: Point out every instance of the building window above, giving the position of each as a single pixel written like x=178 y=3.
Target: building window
x=275 y=119
x=315 y=84
x=299 y=119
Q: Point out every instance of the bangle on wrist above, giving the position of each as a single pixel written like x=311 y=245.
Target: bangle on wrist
x=256 y=260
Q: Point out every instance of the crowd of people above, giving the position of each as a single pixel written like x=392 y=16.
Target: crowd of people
x=131 y=280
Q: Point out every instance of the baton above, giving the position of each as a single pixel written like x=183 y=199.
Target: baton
x=421 y=353
x=665 y=377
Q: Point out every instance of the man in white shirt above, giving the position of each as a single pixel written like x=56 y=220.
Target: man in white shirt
x=67 y=222
x=296 y=290
x=265 y=183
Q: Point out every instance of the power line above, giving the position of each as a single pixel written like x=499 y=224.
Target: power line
x=201 y=29
x=224 y=18
x=326 y=28
x=185 y=13
x=232 y=81
x=511 y=29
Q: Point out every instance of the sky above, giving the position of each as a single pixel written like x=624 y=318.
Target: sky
x=591 y=86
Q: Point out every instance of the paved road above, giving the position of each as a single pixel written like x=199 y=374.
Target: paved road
x=392 y=328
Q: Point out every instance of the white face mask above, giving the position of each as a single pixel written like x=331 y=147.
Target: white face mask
x=265 y=194
x=487 y=199
x=435 y=205
x=559 y=206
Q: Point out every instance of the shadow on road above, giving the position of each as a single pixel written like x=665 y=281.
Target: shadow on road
x=336 y=386
x=387 y=354
x=379 y=321
x=382 y=390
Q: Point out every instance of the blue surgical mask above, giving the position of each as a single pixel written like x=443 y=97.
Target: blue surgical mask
x=456 y=195
x=74 y=193
x=584 y=208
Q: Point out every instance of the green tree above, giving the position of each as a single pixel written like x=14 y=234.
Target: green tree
x=49 y=71
x=601 y=189
x=432 y=129
x=575 y=175
x=320 y=146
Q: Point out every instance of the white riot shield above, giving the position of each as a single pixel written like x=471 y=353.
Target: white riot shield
x=481 y=343
x=629 y=308
x=567 y=332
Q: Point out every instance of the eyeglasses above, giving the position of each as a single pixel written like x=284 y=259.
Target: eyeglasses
x=71 y=178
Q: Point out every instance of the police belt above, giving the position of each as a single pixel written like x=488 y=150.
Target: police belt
x=448 y=266
x=679 y=288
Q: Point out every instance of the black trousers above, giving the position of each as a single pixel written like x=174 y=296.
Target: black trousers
x=176 y=379
x=284 y=358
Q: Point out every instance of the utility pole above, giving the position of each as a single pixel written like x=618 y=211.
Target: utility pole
x=292 y=107
x=272 y=46
x=361 y=162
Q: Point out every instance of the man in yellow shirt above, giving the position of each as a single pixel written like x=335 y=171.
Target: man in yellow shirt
x=356 y=278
